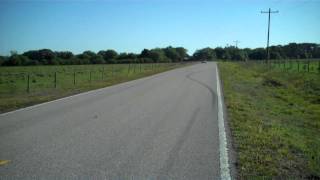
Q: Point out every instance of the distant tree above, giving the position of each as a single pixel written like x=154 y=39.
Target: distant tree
x=43 y=56
x=131 y=56
x=16 y=60
x=145 y=53
x=64 y=54
x=236 y=54
x=122 y=56
x=158 y=55
x=2 y=60
x=88 y=57
x=316 y=52
x=109 y=55
x=291 y=50
x=205 y=54
x=275 y=55
x=182 y=53
x=97 y=59
x=220 y=53
x=258 y=54
x=172 y=54
x=89 y=54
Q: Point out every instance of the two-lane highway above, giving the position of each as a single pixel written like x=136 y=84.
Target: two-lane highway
x=160 y=127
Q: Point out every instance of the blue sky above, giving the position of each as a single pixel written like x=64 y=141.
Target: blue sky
x=131 y=25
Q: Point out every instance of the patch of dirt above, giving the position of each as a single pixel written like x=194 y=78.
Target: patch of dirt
x=315 y=100
x=268 y=81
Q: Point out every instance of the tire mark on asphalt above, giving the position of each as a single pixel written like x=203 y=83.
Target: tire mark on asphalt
x=213 y=94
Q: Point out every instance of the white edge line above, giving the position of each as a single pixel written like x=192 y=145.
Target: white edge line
x=223 y=149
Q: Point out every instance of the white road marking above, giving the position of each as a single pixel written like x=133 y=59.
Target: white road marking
x=223 y=149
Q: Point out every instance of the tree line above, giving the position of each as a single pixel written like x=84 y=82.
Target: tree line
x=289 y=51
x=160 y=55
x=49 y=57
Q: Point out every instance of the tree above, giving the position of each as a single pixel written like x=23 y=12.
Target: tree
x=182 y=53
x=145 y=53
x=220 y=53
x=43 y=56
x=316 y=52
x=109 y=55
x=16 y=60
x=172 y=54
x=158 y=55
x=204 y=54
x=236 y=54
x=2 y=60
x=97 y=59
x=275 y=55
x=89 y=57
x=64 y=54
x=258 y=54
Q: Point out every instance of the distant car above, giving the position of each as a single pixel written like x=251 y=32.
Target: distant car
x=203 y=61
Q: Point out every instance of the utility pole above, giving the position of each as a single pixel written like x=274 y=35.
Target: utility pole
x=236 y=42
x=269 y=12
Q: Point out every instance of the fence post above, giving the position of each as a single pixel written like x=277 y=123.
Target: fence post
x=128 y=69
x=55 y=79
x=270 y=64
x=112 y=69
x=90 y=76
x=74 y=77
x=298 y=66
x=140 y=67
x=102 y=72
x=308 y=65
x=28 y=83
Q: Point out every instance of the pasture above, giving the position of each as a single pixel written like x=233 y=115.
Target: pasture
x=308 y=65
x=25 y=85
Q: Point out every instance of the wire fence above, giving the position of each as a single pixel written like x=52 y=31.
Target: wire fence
x=292 y=65
x=15 y=80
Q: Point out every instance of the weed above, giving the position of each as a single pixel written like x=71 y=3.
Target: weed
x=274 y=120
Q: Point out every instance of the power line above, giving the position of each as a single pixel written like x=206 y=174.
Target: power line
x=269 y=12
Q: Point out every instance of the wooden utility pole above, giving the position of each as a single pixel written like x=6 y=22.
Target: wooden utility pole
x=269 y=12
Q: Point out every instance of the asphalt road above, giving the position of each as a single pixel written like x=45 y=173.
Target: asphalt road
x=160 y=127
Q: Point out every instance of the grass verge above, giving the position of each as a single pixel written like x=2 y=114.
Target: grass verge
x=274 y=118
x=19 y=99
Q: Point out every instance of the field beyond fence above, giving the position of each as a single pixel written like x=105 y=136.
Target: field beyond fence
x=292 y=65
x=26 y=85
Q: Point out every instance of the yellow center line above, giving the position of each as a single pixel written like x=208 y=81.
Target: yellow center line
x=4 y=162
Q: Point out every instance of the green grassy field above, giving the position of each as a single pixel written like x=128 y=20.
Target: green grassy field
x=312 y=66
x=274 y=116
x=28 y=85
